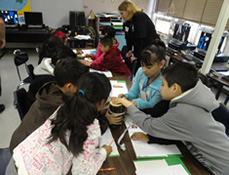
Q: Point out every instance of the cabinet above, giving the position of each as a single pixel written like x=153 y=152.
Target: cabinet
x=111 y=19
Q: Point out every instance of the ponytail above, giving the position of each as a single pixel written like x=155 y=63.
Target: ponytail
x=79 y=110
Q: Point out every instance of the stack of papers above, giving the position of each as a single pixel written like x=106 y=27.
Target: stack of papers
x=82 y=37
x=118 y=87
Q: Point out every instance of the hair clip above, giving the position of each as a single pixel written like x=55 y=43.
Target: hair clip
x=82 y=92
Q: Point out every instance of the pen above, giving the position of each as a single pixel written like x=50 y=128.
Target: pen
x=107 y=169
x=111 y=142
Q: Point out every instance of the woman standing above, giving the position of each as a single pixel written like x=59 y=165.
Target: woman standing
x=139 y=32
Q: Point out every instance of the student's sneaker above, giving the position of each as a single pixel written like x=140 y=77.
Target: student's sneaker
x=2 y=108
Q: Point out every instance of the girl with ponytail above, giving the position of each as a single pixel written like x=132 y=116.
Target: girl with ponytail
x=67 y=141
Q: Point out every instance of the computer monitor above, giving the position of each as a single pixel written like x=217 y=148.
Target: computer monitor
x=204 y=41
x=181 y=32
x=33 y=18
x=10 y=17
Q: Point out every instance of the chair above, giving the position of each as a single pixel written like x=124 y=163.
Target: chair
x=19 y=59
x=5 y=158
x=20 y=102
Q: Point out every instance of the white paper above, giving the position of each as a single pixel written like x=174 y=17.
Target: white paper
x=150 y=150
x=82 y=37
x=107 y=73
x=170 y=170
x=106 y=140
x=118 y=87
x=150 y=164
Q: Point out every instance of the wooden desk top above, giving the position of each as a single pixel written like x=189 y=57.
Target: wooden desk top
x=218 y=79
x=124 y=163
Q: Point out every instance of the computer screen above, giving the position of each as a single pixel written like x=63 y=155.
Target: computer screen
x=33 y=18
x=204 y=41
x=9 y=17
x=181 y=32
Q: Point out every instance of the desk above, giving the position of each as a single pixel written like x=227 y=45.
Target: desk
x=220 y=82
x=27 y=36
x=124 y=163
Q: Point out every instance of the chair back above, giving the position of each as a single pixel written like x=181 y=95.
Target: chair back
x=20 y=102
x=5 y=156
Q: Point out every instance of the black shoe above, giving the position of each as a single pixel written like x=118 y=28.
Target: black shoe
x=2 y=108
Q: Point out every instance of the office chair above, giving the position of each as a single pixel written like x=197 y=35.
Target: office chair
x=5 y=158
x=20 y=102
x=19 y=59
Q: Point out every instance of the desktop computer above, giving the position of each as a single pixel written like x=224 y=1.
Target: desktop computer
x=10 y=18
x=180 y=37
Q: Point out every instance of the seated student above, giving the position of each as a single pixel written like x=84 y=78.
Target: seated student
x=109 y=32
x=112 y=59
x=188 y=119
x=68 y=140
x=48 y=47
x=145 y=91
x=46 y=74
x=46 y=67
x=49 y=97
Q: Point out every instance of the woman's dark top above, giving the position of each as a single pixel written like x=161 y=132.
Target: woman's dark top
x=139 y=33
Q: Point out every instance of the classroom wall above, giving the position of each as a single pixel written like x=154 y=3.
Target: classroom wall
x=112 y=5
x=55 y=12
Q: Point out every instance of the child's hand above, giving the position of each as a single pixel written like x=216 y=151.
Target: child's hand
x=140 y=136
x=87 y=55
x=108 y=149
x=121 y=96
x=133 y=58
x=134 y=103
x=86 y=63
x=123 y=101
x=114 y=119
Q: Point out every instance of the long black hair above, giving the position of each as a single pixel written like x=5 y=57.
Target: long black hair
x=79 y=111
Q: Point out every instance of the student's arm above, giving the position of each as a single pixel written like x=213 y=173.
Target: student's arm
x=170 y=126
x=99 y=64
x=2 y=34
x=135 y=88
x=90 y=160
x=98 y=53
x=154 y=99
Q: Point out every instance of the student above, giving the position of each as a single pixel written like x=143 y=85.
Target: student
x=109 y=32
x=188 y=119
x=145 y=91
x=45 y=71
x=46 y=67
x=112 y=59
x=70 y=137
x=49 y=97
x=139 y=32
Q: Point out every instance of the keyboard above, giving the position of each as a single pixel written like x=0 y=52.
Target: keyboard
x=193 y=58
x=170 y=50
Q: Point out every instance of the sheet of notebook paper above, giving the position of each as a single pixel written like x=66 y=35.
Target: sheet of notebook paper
x=169 y=170
x=106 y=140
x=150 y=150
x=118 y=87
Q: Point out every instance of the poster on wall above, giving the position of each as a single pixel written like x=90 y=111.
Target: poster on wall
x=20 y=6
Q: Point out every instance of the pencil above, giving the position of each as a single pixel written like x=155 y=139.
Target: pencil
x=111 y=142
x=107 y=169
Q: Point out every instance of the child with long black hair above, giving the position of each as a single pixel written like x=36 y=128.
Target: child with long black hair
x=145 y=91
x=70 y=136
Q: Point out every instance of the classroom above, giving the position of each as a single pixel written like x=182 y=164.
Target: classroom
x=118 y=87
